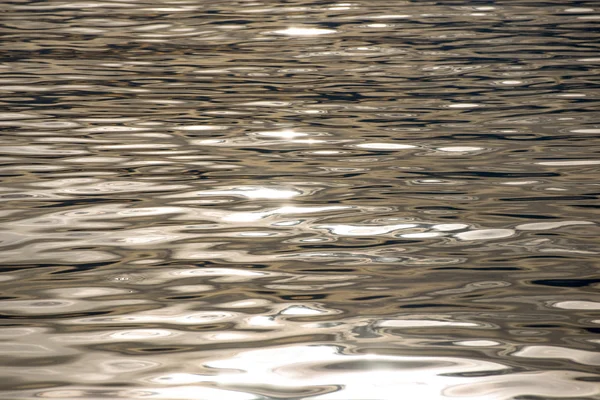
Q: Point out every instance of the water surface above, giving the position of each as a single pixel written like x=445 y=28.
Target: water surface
x=299 y=200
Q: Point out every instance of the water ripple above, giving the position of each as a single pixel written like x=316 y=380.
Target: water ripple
x=300 y=199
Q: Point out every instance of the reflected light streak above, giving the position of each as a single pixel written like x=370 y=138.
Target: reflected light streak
x=371 y=375
x=255 y=192
x=304 y=31
x=283 y=134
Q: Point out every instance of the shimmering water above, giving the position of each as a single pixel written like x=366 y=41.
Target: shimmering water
x=299 y=199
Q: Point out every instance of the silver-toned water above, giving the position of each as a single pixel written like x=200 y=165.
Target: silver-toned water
x=299 y=200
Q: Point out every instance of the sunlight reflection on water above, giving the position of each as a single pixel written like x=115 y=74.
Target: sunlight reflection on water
x=300 y=200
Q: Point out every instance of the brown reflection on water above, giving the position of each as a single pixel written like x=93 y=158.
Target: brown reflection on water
x=299 y=200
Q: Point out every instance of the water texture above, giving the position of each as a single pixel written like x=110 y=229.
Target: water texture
x=299 y=199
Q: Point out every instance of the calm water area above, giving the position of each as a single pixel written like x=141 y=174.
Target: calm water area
x=299 y=199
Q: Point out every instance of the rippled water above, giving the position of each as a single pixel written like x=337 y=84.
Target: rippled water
x=299 y=199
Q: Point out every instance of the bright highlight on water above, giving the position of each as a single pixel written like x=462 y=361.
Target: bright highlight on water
x=300 y=199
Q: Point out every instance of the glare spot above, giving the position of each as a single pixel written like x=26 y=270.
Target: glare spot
x=304 y=31
x=255 y=192
x=485 y=234
x=463 y=105
x=572 y=162
x=421 y=235
x=419 y=323
x=308 y=141
x=578 y=305
x=578 y=356
x=283 y=134
x=450 y=227
x=535 y=226
x=591 y=130
x=515 y=183
x=460 y=149
x=326 y=152
x=579 y=10
x=301 y=310
x=385 y=146
x=512 y=82
x=477 y=343
x=200 y=127
x=364 y=230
